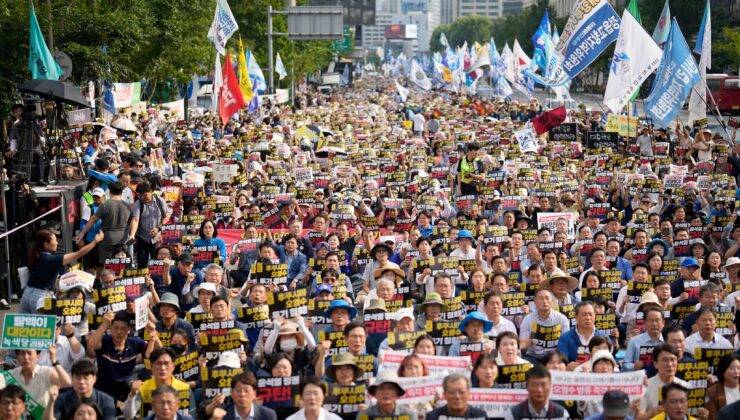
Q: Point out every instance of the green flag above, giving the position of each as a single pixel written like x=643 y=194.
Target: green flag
x=635 y=12
x=40 y=60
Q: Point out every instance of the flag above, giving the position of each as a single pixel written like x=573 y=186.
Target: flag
x=636 y=56
x=230 y=98
x=676 y=76
x=223 y=26
x=548 y=119
x=418 y=76
x=481 y=58
x=555 y=35
x=552 y=72
x=697 y=105
x=109 y=102
x=634 y=11
x=443 y=40
x=259 y=85
x=345 y=75
x=218 y=81
x=539 y=53
x=193 y=88
x=503 y=88
x=660 y=33
x=591 y=28
x=40 y=60
x=521 y=60
x=508 y=59
x=280 y=68
x=245 y=85
x=402 y=91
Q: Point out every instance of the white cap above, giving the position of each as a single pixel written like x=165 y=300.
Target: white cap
x=404 y=313
x=206 y=285
x=229 y=359
x=732 y=261
x=384 y=239
x=98 y=192
x=40 y=303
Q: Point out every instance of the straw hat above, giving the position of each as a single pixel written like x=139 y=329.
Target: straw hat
x=343 y=359
x=560 y=274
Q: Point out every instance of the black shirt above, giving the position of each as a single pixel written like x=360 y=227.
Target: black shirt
x=43 y=274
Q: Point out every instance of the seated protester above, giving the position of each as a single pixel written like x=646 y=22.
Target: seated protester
x=706 y=336
x=339 y=312
x=169 y=309
x=666 y=360
x=456 y=388
x=332 y=261
x=13 y=403
x=380 y=253
x=675 y=404
x=574 y=343
x=384 y=288
x=209 y=237
x=117 y=354
x=425 y=345
x=673 y=335
x=627 y=311
x=491 y=306
x=313 y=392
x=386 y=390
x=279 y=365
x=654 y=323
x=592 y=280
x=139 y=401
x=355 y=335
x=444 y=286
x=34 y=379
x=727 y=390
x=538 y=404
x=709 y=297
x=533 y=345
x=203 y=293
x=243 y=403
x=68 y=347
x=477 y=281
x=244 y=259
x=80 y=329
x=485 y=371
x=412 y=366
x=344 y=370
x=424 y=244
x=473 y=327
x=331 y=278
x=213 y=273
x=404 y=322
x=257 y=296
x=295 y=340
x=84 y=375
x=561 y=285
x=181 y=277
x=179 y=345
x=165 y=403
x=431 y=310
x=616 y=406
x=507 y=350
x=296 y=260
x=596 y=343
x=601 y=361
x=164 y=254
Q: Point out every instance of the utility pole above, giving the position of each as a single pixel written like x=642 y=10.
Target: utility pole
x=269 y=47
x=50 y=41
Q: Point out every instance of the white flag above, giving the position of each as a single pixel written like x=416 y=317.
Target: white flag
x=223 y=26
x=636 y=56
x=521 y=60
x=508 y=58
x=697 y=106
x=419 y=77
x=280 y=68
x=404 y=92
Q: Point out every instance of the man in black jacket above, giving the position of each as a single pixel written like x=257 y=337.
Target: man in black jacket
x=457 y=392
x=243 y=395
x=538 y=405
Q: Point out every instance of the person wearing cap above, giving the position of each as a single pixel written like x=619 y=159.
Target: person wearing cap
x=616 y=406
x=642 y=343
x=203 y=293
x=386 y=391
x=465 y=251
x=532 y=335
x=148 y=215
x=404 y=320
x=169 y=309
x=340 y=312
x=574 y=343
x=344 y=370
x=114 y=215
x=139 y=401
x=431 y=310
x=473 y=327
x=180 y=277
x=468 y=171
x=561 y=285
x=97 y=198
x=732 y=267
x=689 y=281
x=293 y=338
x=117 y=353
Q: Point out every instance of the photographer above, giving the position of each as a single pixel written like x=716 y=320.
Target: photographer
x=27 y=135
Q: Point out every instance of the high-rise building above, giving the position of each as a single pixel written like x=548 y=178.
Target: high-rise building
x=425 y=14
x=490 y=8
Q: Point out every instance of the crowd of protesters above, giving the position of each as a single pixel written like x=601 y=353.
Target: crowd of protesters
x=289 y=233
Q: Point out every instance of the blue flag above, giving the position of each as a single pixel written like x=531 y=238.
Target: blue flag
x=40 y=60
x=109 y=103
x=539 y=53
x=591 y=33
x=677 y=74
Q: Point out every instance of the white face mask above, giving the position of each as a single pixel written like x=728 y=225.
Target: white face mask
x=288 y=344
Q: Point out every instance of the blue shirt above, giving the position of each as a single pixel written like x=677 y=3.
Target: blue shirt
x=633 y=349
x=570 y=342
x=221 y=250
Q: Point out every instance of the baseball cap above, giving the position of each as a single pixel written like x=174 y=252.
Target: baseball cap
x=98 y=192
x=186 y=258
x=690 y=262
x=323 y=288
x=616 y=403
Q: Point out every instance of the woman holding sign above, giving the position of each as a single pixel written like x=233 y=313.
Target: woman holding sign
x=45 y=264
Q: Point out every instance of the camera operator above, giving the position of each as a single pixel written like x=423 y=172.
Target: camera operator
x=29 y=123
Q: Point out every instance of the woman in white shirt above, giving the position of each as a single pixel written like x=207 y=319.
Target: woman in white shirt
x=313 y=392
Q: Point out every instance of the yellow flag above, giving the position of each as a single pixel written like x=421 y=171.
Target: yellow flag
x=244 y=84
x=446 y=74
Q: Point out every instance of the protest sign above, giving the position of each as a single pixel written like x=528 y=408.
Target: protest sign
x=217 y=380
x=495 y=402
x=437 y=365
x=550 y=221
x=602 y=139
x=28 y=331
x=695 y=373
x=513 y=376
x=577 y=386
x=186 y=367
x=68 y=311
x=212 y=345
x=420 y=389
x=403 y=341
x=267 y=273
x=76 y=278
x=141 y=305
x=254 y=317
x=566 y=132
x=288 y=304
x=338 y=341
x=278 y=392
x=344 y=399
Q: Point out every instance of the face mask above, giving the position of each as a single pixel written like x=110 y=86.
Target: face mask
x=177 y=348
x=288 y=344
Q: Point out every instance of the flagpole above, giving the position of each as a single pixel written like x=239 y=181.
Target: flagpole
x=719 y=119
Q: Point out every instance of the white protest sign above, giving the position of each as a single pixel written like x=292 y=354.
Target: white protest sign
x=223 y=173
x=304 y=174
x=142 y=312
x=550 y=221
x=527 y=140
x=495 y=402
x=193 y=178
x=76 y=278
x=438 y=365
x=420 y=389
x=577 y=386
